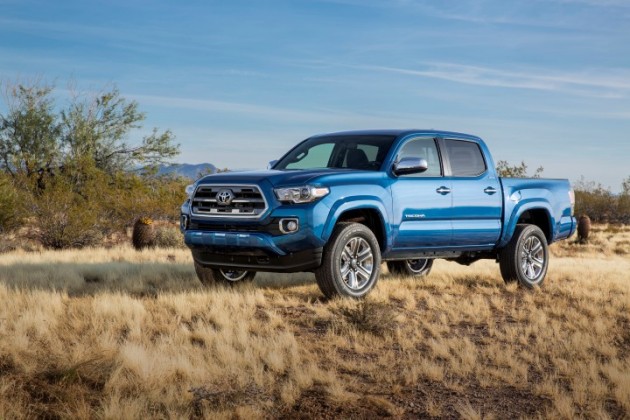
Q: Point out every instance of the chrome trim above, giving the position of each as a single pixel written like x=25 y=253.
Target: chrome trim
x=225 y=197
x=233 y=275
x=410 y=165
x=230 y=215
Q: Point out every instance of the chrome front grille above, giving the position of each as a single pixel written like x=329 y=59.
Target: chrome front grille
x=246 y=201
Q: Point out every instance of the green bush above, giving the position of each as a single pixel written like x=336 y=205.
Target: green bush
x=75 y=167
x=10 y=216
x=132 y=196
x=64 y=219
x=168 y=237
x=600 y=204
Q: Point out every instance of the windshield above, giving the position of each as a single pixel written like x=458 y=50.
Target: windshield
x=346 y=151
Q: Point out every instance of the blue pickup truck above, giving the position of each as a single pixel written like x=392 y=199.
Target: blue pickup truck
x=340 y=204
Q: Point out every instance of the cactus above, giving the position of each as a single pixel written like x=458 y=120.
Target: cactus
x=143 y=235
x=583 y=229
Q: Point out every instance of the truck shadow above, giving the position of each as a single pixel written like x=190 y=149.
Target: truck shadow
x=137 y=279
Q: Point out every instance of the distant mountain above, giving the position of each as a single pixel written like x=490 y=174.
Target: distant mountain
x=187 y=170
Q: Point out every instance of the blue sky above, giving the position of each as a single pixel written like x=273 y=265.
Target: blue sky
x=544 y=81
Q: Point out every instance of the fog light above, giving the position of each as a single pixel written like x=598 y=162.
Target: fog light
x=289 y=225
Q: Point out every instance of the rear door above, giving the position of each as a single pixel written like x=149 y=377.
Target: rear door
x=476 y=192
x=421 y=202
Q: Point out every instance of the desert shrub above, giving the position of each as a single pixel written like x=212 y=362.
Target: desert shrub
x=168 y=237
x=600 y=203
x=369 y=316
x=63 y=219
x=7 y=244
x=9 y=205
x=623 y=208
x=133 y=196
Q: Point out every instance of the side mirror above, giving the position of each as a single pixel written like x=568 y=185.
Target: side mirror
x=272 y=164
x=410 y=165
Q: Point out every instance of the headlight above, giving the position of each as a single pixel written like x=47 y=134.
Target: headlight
x=190 y=189
x=303 y=194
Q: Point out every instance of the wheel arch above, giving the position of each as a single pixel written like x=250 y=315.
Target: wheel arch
x=538 y=214
x=370 y=214
x=539 y=217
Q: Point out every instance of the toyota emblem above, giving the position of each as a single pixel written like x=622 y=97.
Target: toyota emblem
x=225 y=197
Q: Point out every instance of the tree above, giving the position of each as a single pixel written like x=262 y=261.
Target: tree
x=30 y=134
x=36 y=139
x=97 y=129
x=70 y=169
x=504 y=169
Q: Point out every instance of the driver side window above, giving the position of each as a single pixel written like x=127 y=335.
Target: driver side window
x=422 y=148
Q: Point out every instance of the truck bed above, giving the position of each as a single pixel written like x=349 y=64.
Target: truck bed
x=520 y=194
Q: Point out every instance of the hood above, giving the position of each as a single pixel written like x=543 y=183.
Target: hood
x=276 y=178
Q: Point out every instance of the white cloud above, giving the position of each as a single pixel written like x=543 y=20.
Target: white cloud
x=593 y=83
x=601 y=3
x=284 y=115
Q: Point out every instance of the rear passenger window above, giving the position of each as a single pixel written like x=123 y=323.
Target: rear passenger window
x=465 y=157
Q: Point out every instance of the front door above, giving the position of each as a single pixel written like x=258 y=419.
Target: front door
x=422 y=202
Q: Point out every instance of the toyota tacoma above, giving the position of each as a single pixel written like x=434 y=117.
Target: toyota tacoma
x=341 y=204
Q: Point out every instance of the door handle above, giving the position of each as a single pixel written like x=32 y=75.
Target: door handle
x=443 y=190
x=490 y=190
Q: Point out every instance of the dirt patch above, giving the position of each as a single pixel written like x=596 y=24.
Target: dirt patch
x=315 y=404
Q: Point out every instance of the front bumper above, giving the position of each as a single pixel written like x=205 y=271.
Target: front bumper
x=249 y=251
x=259 y=244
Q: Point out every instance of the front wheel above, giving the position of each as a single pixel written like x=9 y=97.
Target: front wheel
x=526 y=257
x=419 y=267
x=351 y=262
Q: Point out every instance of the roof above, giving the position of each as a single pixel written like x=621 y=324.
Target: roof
x=399 y=133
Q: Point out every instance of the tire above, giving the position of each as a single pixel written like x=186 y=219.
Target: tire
x=420 y=267
x=526 y=257
x=351 y=262
x=211 y=276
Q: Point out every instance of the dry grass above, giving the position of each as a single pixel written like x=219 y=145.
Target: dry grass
x=607 y=240
x=123 y=334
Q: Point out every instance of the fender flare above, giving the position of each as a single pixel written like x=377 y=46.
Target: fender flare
x=357 y=203
x=519 y=209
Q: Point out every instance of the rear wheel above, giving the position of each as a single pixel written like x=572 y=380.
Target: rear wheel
x=351 y=262
x=209 y=276
x=420 y=267
x=231 y=276
x=526 y=257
